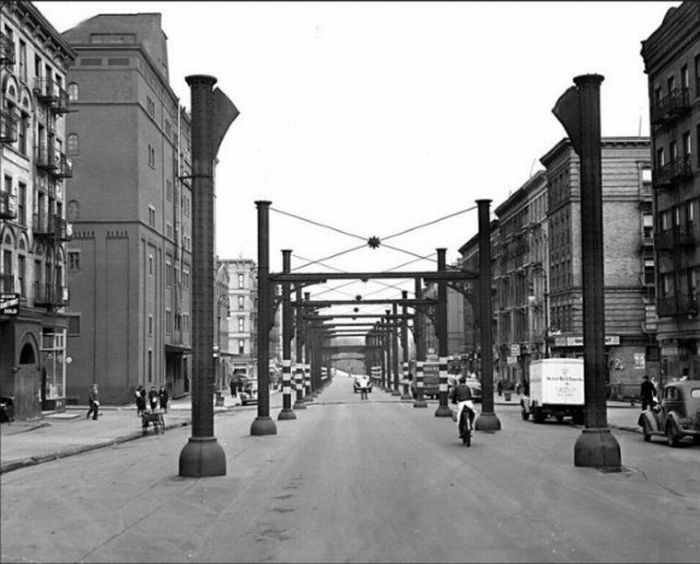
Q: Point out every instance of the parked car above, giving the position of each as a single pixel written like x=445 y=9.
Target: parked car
x=677 y=416
x=249 y=394
x=356 y=383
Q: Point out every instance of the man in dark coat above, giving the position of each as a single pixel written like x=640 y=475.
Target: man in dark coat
x=93 y=398
x=647 y=393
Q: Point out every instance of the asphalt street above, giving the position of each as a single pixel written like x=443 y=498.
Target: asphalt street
x=358 y=481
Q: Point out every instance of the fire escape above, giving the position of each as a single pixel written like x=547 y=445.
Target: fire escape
x=674 y=246
x=49 y=225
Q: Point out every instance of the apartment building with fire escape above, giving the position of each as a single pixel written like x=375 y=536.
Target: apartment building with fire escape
x=33 y=230
x=130 y=259
x=630 y=336
x=521 y=270
x=671 y=57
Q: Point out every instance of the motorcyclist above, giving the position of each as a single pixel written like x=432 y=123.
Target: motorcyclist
x=462 y=396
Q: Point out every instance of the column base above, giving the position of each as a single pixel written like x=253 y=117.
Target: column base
x=406 y=396
x=420 y=403
x=299 y=404
x=395 y=393
x=487 y=422
x=202 y=457
x=263 y=426
x=598 y=448
x=286 y=414
x=443 y=411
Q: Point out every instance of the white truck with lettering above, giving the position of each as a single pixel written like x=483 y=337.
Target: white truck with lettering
x=555 y=390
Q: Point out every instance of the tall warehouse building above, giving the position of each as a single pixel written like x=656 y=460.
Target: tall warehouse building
x=129 y=262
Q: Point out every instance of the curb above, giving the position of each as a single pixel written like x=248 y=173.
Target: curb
x=34 y=460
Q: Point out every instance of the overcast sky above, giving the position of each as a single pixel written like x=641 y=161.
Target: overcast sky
x=376 y=117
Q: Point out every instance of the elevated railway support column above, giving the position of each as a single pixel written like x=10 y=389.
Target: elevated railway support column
x=212 y=114
x=443 y=409
x=487 y=420
x=287 y=412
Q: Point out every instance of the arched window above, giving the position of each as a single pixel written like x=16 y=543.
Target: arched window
x=72 y=91
x=72 y=144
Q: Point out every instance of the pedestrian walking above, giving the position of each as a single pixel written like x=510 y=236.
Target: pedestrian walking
x=499 y=387
x=139 y=395
x=163 y=399
x=647 y=393
x=235 y=384
x=153 y=398
x=364 y=385
x=93 y=399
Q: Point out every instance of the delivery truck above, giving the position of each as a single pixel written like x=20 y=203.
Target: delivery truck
x=555 y=390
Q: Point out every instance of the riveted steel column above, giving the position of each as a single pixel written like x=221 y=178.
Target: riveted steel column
x=212 y=113
x=287 y=330
x=487 y=420
x=596 y=446
x=443 y=409
x=382 y=352
x=404 y=347
x=308 y=347
x=395 y=348
x=299 y=361
x=389 y=342
x=418 y=339
x=264 y=424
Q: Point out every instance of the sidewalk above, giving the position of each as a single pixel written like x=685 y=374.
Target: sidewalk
x=57 y=435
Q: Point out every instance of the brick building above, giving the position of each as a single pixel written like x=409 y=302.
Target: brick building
x=672 y=62
x=130 y=258
x=33 y=228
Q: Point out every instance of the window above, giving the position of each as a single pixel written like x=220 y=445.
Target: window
x=168 y=273
x=241 y=346
x=150 y=264
x=74 y=325
x=73 y=260
x=665 y=220
x=689 y=214
x=151 y=156
x=23 y=60
x=657 y=94
x=660 y=157
x=73 y=92
x=686 y=145
x=646 y=175
x=151 y=216
x=22 y=136
x=186 y=279
x=150 y=326
x=169 y=190
x=72 y=144
x=241 y=302
x=21 y=274
x=168 y=321
x=22 y=204
x=649 y=271
x=647 y=224
x=673 y=151
x=671 y=83
x=240 y=281
x=685 y=77
x=241 y=324
x=169 y=230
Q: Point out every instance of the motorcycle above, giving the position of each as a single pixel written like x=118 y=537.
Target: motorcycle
x=466 y=424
